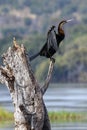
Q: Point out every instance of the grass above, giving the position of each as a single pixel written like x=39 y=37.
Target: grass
x=67 y=116
x=7 y=117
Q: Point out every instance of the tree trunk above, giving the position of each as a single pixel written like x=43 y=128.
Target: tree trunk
x=27 y=95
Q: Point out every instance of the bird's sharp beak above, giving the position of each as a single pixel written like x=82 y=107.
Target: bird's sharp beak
x=69 y=20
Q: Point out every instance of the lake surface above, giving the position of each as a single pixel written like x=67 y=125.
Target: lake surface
x=66 y=126
x=59 y=97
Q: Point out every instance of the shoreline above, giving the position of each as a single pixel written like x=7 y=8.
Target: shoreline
x=55 y=117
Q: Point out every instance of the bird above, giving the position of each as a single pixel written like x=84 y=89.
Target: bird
x=53 y=41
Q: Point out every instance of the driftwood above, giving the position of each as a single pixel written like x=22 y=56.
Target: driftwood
x=27 y=95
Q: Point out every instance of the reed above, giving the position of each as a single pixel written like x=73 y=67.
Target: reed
x=5 y=116
x=62 y=116
x=67 y=116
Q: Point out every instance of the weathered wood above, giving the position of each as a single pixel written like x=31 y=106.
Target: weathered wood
x=47 y=81
x=27 y=95
x=47 y=125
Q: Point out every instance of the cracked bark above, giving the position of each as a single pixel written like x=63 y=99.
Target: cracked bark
x=27 y=95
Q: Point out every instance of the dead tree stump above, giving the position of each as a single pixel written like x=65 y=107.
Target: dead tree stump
x=27 y=95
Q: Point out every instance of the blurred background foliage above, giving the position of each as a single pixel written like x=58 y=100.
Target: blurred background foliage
x=29 y=21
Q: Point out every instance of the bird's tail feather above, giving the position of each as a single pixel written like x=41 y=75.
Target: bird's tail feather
x=34 y=56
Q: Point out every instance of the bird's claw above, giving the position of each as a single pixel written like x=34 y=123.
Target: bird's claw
x=52 y=59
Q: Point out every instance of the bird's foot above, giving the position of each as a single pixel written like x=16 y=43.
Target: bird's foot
x=52 y=59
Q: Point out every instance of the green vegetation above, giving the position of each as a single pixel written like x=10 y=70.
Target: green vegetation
x=5 y=117
x=67 y=117
x=29 y=21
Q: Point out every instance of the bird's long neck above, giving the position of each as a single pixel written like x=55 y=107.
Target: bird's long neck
x=60 y=30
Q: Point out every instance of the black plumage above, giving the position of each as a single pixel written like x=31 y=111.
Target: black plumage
x=53 y=41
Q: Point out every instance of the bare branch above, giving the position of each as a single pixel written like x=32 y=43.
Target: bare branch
x=47 y=81
x=46 y=125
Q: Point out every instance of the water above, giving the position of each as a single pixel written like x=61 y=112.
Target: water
x=66 y=126
x=66 y=97
x=70 y=126
x=59 y=97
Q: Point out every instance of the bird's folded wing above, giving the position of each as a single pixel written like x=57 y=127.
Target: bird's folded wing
x=51 y=41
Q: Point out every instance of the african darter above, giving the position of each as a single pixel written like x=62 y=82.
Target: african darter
x=53 y=41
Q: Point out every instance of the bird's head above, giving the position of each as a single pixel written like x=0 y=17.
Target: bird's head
x=60 y=26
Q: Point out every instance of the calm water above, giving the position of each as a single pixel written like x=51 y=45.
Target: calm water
x=59 y=97
x=66 y=126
